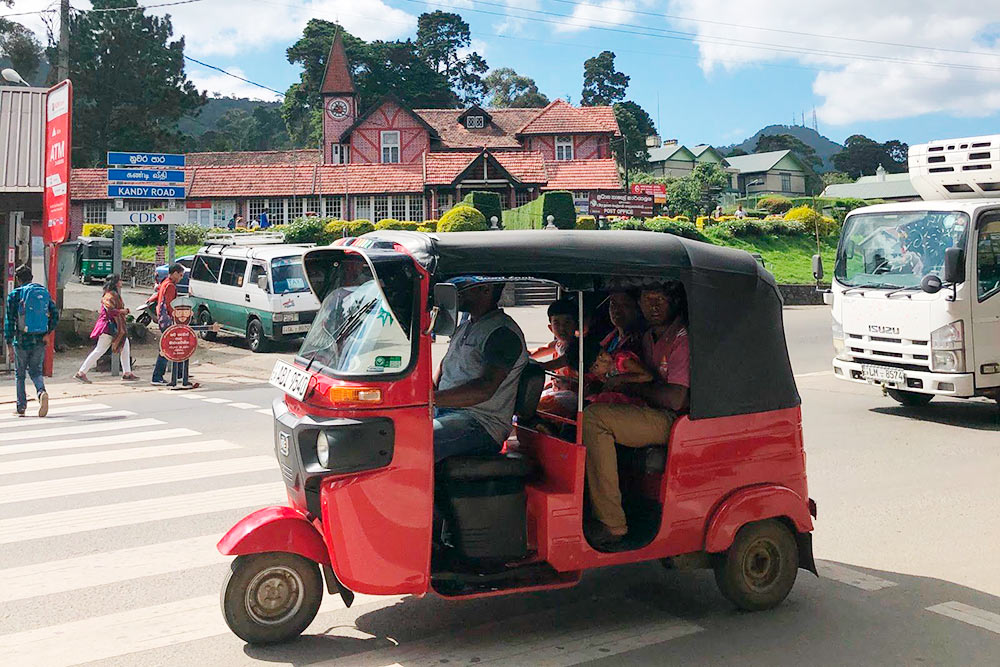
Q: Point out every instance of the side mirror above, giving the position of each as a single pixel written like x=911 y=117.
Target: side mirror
x=930 y=284
x=817 y=267
x=954 y=266
x=444 y=316
x=849 y=248
x=262 y=282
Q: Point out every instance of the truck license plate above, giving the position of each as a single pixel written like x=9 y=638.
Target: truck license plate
x=291 y=380
x=880 y=374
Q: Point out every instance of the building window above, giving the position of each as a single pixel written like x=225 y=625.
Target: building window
x=522 y=197
x=294 y=208
x=333 y=207
x=254 y=208
x=310 y=205
x=340 y=154
x=564 y=148
x=380 y=210
x=363 y=208
x=786 y=182
x=474 y=122
x=95 y=213
x=390 y=147
x=398 y=207
x=415 y=208
x=200 y=217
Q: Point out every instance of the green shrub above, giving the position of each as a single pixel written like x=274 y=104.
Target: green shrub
x=335 y=229
x=487 y=203
x=676 y=227
x=428 y=226
x=392 y=223
x=774 y=204
x=462 y=218
x=98 y=231
x=586 y=222
x=307 y=230
x=559 y=204
x=631 y=224
x=145 y=235
x=812 y=221
x=189 y=235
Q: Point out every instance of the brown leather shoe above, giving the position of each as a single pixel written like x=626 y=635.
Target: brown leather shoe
x=601 y=537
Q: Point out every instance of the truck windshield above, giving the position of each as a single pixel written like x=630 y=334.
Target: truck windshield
x=896 y=250
x=364 y=324
x=287 y=275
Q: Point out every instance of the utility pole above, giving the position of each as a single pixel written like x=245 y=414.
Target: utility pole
x=62 y=71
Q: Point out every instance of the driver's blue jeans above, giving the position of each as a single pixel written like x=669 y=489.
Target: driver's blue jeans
x=456 y=432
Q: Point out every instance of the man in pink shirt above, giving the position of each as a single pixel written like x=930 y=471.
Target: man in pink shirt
x=665 y=351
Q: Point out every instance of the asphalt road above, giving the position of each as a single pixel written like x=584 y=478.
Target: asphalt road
x=110 y=508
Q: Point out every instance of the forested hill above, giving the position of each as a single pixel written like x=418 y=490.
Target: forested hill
x=214 y=109
x=824 y=147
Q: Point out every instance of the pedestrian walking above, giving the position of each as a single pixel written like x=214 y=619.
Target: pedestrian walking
x=263 y=220
x=110 y=331
x=29 y=319
x=165 y=296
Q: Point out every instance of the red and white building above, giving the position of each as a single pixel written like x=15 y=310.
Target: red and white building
x=391 y=162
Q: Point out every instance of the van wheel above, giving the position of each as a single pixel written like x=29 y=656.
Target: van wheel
x=759 y=569
x=910 y=398
x=205 y=320
x=256 y=340
x=271 y=597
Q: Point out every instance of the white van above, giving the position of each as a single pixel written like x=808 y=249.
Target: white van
x=259 y=292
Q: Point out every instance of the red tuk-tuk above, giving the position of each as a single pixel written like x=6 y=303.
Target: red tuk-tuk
x=353 y=438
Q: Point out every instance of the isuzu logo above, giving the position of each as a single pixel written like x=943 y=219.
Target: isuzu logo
x=283 y=443
x=878 y=329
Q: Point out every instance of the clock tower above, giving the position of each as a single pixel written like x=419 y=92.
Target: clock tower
x=340 y=103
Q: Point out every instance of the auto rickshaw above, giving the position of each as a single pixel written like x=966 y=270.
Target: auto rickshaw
x=94 y=258
x=354 y=443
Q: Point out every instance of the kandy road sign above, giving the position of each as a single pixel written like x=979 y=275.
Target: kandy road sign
x=145 y=192
x=116 y=158
x=165 y=176
x=635 y=206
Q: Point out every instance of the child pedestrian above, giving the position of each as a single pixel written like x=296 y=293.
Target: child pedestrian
x=29 y=319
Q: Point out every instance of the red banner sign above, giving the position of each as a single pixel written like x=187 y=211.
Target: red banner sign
x=178 y=343
x=657 y=190
x=58 y=141
x=197 y=204
x=635 y=206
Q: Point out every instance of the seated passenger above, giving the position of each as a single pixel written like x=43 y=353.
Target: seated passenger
x=562 y=324
x=559 y=396
x=665 y=350
x=476 y=383
x=627 y=321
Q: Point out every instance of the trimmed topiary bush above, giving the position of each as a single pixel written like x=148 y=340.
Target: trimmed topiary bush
x=98 y=231
x=392 y=223
x=462 y=218
x=487 y=203
x=775 y=204
x=559 y=204
x=586 y=222
x=189 y=234
x=335 y=229
x=428 y=226
x=307 y=230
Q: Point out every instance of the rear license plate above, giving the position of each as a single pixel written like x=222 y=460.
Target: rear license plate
x=294 y=328
x=291 y=380
x=880 y=374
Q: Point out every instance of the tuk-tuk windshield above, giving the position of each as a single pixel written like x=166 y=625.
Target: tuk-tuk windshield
x=363 y=326
x=287 y=275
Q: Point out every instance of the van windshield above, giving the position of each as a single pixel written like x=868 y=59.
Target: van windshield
x=896 y=250
x=287 y=275
x=364 y=324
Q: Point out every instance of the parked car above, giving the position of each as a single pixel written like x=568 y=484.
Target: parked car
x=186 y=261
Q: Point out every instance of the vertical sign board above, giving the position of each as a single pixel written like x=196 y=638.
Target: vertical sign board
x=55 y=205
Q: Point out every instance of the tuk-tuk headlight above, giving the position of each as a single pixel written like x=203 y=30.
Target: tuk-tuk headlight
x=948 y=348
x=323 y=450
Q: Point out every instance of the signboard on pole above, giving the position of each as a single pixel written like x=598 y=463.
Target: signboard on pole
x=634 y=206
x=116 y=158
x=146 y=191
x=178 y=343
x=58 y=142
x=657 y=190
x=146 y=176
x=158 y=216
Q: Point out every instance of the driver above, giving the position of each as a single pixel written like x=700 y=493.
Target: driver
x=476 y=383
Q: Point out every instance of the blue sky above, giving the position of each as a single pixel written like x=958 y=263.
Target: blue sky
x=708 y=71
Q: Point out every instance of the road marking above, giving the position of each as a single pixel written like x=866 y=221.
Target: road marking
x=265 y=411
x=76 y=419
x=846 y=575
x=244 y=406
x=246 y=380
x=88 y=427
x=191 y=396
x=68 y=522
x=58 y=411
x=100 y=441
x=967 y=614
x=217 y=400
x=126 y=479
x=111 y=456
x=813 y=374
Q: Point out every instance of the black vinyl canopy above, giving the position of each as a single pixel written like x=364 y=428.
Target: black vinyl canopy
x=739 y=361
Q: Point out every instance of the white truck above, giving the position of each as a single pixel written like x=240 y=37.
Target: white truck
x=916 y=285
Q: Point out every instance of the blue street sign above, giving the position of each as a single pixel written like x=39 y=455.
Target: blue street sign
x=146 y=175
x=145 y=159
x=145 y=192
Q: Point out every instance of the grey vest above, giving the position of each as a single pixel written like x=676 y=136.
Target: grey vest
x=465 y=362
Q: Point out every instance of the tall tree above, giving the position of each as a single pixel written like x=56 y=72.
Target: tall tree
x=441 y=37
x=603 y=85
x=129 y=84
x=20 y=46
x=506 y=88
x=862 y=156
x=635 y=125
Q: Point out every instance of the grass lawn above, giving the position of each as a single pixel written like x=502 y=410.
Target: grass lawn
x=147 y=253
x=789 y=258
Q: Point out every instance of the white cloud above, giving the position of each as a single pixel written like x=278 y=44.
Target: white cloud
x=216 y=83
x=859 y=88
x=603 y=13
x=514 y=24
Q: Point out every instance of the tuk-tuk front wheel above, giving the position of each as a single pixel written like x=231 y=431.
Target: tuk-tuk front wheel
x=271 y=597
x=760 y=567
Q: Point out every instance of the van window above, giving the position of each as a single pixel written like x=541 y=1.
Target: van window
x=256 y=271
x=206 y=269
x=233 y=272
x=988 y=259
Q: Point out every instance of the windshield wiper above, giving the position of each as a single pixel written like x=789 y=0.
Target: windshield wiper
x=901 y=289
x=353 y=321
x=857 y=287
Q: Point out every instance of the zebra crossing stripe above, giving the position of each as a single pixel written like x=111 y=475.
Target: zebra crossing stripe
x=100 y=441
x=846 y=575
x=264 y=411
x=127 y=479
x=112 y=455
x=59 y=411
x=21 y=424
x=88 y=427
x=69 y=522
x=68 y=401
x=968 y=614
x=219 y=401
x=245 y=406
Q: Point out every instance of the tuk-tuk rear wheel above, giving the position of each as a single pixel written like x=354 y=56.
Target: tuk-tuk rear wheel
x=759 y=569
x=271 y=597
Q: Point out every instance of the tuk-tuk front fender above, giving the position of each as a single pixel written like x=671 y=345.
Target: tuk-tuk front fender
x=757 y=503
x=276 y=528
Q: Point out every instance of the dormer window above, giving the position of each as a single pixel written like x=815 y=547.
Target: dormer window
x=564 y=148
x=475 y=118
x=475 y=122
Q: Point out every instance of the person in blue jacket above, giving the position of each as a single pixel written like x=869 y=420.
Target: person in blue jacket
x=29 y=319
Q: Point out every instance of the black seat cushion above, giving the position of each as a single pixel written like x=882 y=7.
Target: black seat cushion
x=472 y=468
x=648 y=460
x=529 y=390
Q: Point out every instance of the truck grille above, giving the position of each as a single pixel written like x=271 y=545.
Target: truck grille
x=901 y=352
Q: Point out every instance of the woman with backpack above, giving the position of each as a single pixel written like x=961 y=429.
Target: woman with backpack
x=110 y=332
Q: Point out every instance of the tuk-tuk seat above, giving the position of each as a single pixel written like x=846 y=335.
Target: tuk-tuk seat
x=529 y=390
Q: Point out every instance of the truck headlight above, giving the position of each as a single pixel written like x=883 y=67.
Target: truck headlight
x=838 y=340
x=323 y=450
x=948 y=348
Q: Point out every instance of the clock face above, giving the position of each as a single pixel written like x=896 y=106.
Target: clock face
x=338 y=109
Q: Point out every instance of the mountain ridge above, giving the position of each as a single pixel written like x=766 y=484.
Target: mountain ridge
x=825 y=148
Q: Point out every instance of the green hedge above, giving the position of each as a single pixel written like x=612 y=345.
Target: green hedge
x=487 y=203
x=462 y=218
x=534 y=214
x=392 y=223
x=428 y=226
x=586 y=222
x=774 y=203
x=682 y=228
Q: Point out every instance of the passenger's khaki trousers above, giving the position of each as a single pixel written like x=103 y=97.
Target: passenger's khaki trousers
x=604 y=424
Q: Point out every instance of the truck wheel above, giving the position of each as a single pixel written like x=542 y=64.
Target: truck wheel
x=910 y=398
x=271 y=597
x=759 y=569
x=205 y=320
x=256 y=340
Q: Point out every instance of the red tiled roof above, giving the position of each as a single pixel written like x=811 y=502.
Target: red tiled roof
x=444 y=168
x=88 y=184
x=560 y=117
x=298 y=156
x=583 y=175
x=498 y=134
x=338 y=74
x=369 y=178
x=525 y=166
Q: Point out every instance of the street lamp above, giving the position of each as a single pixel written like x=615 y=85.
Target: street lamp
x=12 y=76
